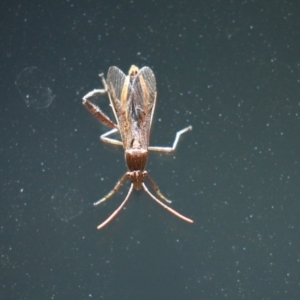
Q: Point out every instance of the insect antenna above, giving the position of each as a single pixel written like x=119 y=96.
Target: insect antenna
x=117 y=210
x=172 y=211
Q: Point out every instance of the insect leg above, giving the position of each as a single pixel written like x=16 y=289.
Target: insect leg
x=116 y=187
x=171 y=149
x=105 y=139
x=172 y=211
x=97 y=112
x=155 y=187
x=93 y=93
x=117 y=210
x=104 y=82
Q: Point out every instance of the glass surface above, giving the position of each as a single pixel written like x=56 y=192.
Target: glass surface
x=228 y=68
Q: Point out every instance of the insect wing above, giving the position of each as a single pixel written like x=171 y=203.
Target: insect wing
x=144 y=87
x=133 y=99
x=118 y=87
x=143 y=101
x=116 y=81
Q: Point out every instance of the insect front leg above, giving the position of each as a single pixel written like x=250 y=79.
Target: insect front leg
x=115 y=189
x=155 y=187
x=171 y=149
x=96 y=111
x=104 y=82
x=94 y=92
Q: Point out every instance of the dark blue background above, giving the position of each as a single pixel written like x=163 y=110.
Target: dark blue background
x=230 y=69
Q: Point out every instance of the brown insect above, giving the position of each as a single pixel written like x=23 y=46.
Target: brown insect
x=133 y=100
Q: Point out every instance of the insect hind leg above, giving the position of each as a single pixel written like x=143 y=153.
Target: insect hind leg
x=171 y=149
x=104 y=138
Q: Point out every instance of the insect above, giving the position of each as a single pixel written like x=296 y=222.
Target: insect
x=133 y=100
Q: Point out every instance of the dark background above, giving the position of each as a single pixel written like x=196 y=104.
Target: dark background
x=230 y=69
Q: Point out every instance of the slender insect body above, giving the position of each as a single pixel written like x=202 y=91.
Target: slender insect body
x=133 y=100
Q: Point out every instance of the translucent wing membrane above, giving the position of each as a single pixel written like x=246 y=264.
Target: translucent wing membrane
x=115 y=80
x=144 y=89
x=117 y=84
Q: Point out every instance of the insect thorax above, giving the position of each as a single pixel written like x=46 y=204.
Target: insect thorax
x=136 y=159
